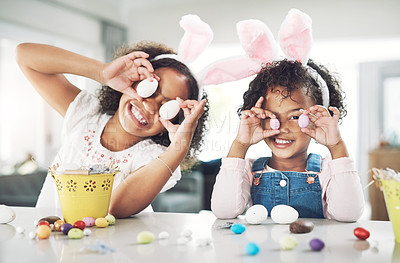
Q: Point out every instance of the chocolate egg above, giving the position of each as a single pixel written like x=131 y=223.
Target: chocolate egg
x=284 y=214
x=65 y=228
x=58 y=224
x=79 y=224
x=303 y=121
x=146 y=88
x=301 y=226
x=256 y=214
x=169 y=110
x=7 y=214
x=43 y=232
x=101 y=222
x=275 y=124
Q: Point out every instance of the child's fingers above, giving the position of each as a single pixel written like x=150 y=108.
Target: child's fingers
x=259 y=102
x=319 y=111
x=132 y=93
x=137 y=54
x=248 y=114
x=259 y=112
x=167 y=124
x=270 y=133
x=336 y=113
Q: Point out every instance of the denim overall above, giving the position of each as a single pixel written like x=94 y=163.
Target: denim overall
x=289 y=188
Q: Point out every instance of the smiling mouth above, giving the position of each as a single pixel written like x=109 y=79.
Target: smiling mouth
x=136 y=113
x=281 y=141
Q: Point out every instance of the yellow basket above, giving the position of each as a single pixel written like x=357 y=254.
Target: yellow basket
x=84 y=195
x=391 y=192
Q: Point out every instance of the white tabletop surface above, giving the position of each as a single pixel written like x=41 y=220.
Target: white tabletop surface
x=340 y=243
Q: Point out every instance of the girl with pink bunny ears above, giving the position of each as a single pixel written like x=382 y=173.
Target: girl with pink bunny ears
x=290 y=101
x=120 y=125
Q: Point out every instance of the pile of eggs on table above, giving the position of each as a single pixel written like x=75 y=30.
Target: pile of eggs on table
x=284 y=214
x=46 y=225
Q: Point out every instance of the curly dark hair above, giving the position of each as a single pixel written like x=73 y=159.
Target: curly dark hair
x=292 y=75
x=109 y=98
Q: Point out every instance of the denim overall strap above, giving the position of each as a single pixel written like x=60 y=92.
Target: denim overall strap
x=314 y=162
x=288 y=188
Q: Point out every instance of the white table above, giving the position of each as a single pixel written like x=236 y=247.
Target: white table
x=340 y=243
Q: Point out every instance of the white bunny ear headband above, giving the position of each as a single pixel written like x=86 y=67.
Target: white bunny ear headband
x=295 y=40
x=197 y=37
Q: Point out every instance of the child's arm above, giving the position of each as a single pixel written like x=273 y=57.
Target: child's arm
x=326 y=130
x=250 y=131
x=45 y=65
x=144 y=184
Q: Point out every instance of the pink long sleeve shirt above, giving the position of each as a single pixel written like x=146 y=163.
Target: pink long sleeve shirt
x=342 y=195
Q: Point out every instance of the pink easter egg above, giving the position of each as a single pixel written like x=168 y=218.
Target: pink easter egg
x=303 y=121
x=274 y=123
x=89 y=221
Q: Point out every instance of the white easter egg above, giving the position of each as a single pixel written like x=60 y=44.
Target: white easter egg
x=169 y=110
x=284 y=214
x=256 y=214
x=146 y=88
x=7 y=214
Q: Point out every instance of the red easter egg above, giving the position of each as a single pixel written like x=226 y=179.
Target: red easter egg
x=79 y=224
x=43 y=223
x=361 y=233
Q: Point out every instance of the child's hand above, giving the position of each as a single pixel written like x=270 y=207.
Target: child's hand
x=326 y=130
x=192 y=110
x=250 y=129
x=122 y=72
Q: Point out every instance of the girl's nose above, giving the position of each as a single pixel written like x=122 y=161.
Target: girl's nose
x=152 y=104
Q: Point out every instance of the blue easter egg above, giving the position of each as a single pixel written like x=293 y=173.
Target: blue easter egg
x=252 y=249
x=317 y=244
x=238 y=228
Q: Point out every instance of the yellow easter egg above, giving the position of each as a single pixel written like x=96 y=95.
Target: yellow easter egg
x=101 y=222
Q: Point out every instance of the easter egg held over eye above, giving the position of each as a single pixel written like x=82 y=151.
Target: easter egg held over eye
x=238 y=228
x=7 y=214
x=169 y=110
x=303 y=121
x=316 y=244
x=275 y=124
x=284 y=214
x=146 y=88
x=361 y=233
x=256 y=214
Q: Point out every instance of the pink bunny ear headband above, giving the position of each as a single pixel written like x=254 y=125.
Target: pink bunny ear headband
x=197 y=37
x=295 y=40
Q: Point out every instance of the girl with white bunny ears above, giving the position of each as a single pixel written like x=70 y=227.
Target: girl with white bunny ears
x=120 y=126
x=285 y=106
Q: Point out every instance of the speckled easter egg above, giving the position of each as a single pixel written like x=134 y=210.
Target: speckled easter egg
x=303 y=121
x=89 y=221
x=75 y=233
x=238 y=228
x=147 y=87
x=169 y=109
x=111 y=219
x=7 y=214
x=275 y=124
x=284 y=214
x=256 y=214
x=101 y=222
x=43 y=232
x=145 y=237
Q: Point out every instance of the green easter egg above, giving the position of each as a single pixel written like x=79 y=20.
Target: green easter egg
x=75 y=233
x=111 y=219
x=145 y=237
x=288 y=242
